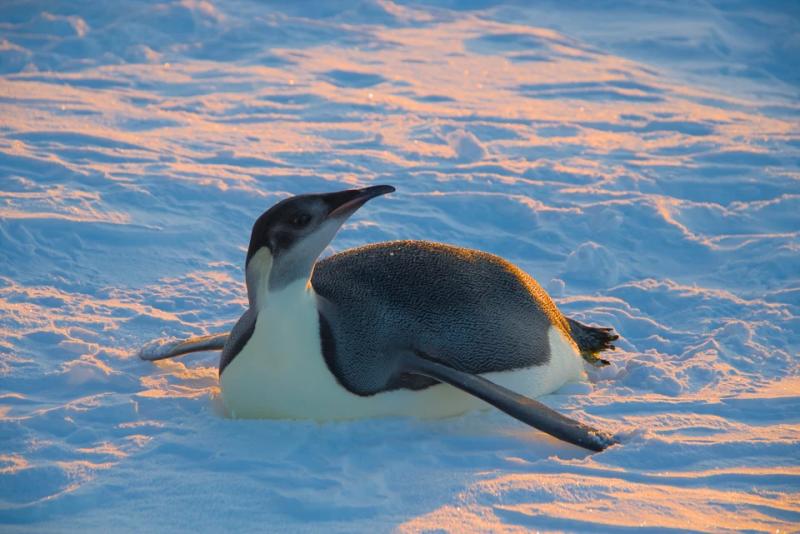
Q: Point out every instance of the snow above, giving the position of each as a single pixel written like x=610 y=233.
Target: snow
x=640 y=159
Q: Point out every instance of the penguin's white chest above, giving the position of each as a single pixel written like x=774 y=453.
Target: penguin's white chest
x=275 y=374
x=281 y=373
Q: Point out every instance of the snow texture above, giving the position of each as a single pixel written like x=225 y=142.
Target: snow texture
x=641 y=159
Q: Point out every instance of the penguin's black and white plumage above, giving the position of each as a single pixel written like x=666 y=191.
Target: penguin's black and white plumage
x=407 y=328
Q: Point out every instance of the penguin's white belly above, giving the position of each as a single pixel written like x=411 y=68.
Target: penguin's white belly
x=281 y=373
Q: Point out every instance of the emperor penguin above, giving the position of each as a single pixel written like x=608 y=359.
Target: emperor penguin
x=403 y=328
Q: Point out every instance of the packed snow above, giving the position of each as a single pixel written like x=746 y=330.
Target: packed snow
x=640 y=159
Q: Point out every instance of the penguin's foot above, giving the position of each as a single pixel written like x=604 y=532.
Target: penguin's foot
x=592 y=340
x=592 y=358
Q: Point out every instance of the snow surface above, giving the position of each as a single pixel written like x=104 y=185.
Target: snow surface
x=641 y=159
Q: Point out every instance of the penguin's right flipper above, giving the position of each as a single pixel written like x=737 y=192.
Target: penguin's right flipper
x=161 y=349
x=518 y=406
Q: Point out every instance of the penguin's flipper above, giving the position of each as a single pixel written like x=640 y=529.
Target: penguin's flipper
x=518 y=406
x=161 y=349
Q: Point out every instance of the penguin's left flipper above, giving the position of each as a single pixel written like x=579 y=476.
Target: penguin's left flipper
x=161 y=349
x=518 y=406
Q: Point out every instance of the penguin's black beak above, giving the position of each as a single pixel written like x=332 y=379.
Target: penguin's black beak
x=342 y=204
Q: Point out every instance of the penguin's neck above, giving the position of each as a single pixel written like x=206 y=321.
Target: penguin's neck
x=263 y=298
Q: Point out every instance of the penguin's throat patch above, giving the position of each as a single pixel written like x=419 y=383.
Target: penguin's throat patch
x=257 y=277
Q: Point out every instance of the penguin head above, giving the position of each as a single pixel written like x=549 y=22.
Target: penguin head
x=288 y=238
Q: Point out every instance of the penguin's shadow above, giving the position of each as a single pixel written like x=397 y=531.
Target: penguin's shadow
x=389 y=469
x=485 y=429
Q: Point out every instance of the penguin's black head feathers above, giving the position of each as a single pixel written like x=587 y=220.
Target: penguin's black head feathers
x=285 y=223
x=297 y=229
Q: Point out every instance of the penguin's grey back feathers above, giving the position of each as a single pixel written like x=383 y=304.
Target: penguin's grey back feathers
x=470 y=310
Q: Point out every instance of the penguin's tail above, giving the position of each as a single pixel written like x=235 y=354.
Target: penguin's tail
x=592 y=340
x=161 y=349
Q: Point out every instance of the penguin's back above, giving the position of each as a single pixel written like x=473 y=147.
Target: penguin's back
x=471 y=310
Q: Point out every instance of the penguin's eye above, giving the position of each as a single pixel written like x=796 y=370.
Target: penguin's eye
x=301 y=220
